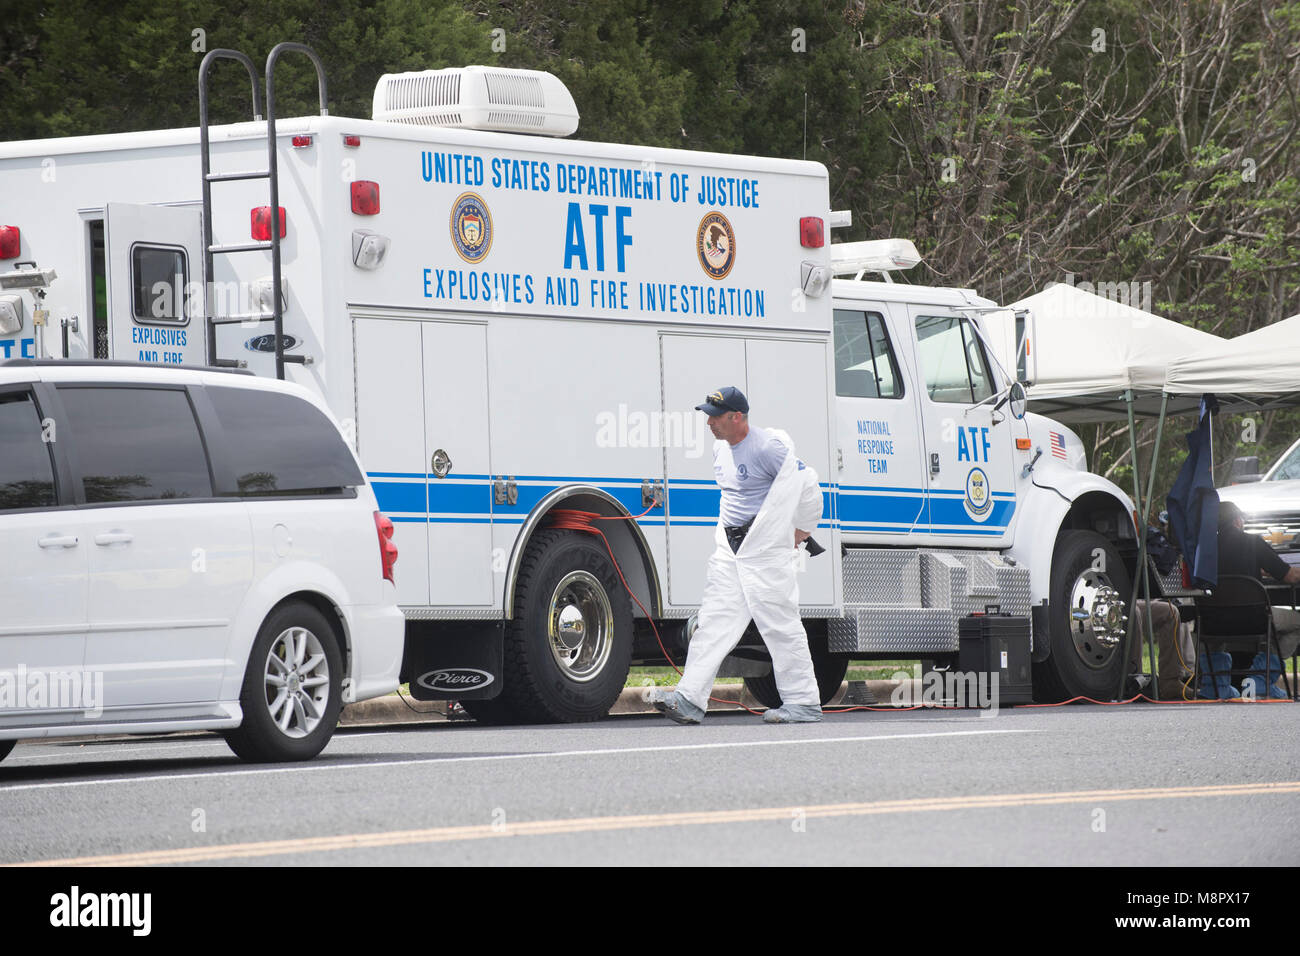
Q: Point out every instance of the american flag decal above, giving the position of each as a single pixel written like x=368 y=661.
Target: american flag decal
x=1058 y=444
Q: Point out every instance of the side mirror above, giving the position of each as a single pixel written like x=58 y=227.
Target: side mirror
x=1016 y=399
x=1245 y=470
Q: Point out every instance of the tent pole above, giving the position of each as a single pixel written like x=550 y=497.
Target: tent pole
x=1146 y=586
x=1141 y=530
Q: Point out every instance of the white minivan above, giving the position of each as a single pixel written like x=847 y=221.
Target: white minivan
x=185 y=549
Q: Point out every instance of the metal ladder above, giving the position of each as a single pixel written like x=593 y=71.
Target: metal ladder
x=271 y=174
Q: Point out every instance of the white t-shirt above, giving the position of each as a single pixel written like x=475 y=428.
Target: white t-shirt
x=755 y=463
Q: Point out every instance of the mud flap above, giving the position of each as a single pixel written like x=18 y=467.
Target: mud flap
x=1042 y=634
x=453 y=661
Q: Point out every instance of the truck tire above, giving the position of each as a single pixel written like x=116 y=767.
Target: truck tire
x=829 y=670
x=293 y=687
x=5 y=747
x=1089 y=598
x=569 y=646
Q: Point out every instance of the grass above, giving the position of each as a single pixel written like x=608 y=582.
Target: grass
x=667 y=677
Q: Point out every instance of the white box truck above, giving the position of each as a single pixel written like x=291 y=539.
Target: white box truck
x=511 y=323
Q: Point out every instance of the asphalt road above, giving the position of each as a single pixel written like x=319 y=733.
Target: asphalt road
x=1172 y=785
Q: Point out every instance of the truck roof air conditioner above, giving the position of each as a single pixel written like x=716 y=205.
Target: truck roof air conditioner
x=875 y=255
x=478 y=97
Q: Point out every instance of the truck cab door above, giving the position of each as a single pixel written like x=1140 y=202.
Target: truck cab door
x=155 y=283
x=880 y=448
x=969 y=463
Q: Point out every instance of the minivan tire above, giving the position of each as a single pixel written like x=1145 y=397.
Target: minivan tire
x=298 y=646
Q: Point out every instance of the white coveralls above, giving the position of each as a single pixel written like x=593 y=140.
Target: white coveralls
x=759 y=582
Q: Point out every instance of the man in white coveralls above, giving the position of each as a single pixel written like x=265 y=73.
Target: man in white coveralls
x=768 y=497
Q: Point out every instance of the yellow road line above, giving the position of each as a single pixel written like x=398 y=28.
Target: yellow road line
x=354 y=841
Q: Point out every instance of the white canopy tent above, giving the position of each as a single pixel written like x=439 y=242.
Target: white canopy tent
x=1260 y=369
x=1083 y=354
x=1085 y=358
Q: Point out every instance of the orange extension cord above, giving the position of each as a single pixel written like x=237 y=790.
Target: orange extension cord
x=568 y=519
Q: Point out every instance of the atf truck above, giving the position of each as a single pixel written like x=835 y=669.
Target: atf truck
x=513 y=328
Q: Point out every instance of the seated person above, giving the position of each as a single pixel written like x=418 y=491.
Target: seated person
x=1174 y=671
x=1252 y=556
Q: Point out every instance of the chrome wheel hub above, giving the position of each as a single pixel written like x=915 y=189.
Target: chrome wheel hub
x=580 y=626
x=1098 y=618
x=297 y=682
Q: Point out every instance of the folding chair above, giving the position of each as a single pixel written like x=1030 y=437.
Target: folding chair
x=1236 y=616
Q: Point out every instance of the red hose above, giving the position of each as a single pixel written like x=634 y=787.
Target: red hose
x=568 y=519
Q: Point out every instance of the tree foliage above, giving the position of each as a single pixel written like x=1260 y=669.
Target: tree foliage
x=1016 y=143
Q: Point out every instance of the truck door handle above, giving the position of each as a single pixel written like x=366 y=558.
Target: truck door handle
x=113 y=537
x=58 y=541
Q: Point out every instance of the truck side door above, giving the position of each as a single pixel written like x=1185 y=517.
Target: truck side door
x=881 y=485
x=971 y=496
x=155 y=283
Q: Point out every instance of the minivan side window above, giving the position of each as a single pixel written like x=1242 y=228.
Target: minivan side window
x=865 y=366
x=952 y=360
x=26 y=469
x=279 y=444
x=136 y=444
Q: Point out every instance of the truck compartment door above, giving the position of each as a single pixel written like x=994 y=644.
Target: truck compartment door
x=789 y=379
x=422 y=390
x=693 y=366
x=155 y=283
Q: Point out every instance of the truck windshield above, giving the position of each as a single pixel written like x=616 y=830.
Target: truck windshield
x=952 y=360
x=1288 y=469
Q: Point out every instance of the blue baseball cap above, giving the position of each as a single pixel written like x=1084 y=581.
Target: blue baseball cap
x=728 y=399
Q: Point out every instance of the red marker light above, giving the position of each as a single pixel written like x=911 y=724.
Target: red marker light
x=387 y=550
x=365 y=198
x=812 y=232
x=351 y=140
x=300 y=141
x=11 y=242
x=261 y=223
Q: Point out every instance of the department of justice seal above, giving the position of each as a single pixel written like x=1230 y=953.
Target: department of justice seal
x=715 y=242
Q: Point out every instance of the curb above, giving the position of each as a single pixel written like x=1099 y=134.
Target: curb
x=395 y=709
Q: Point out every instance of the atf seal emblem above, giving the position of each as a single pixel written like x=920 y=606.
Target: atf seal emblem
x=715 y=242
x=471 y=227
x=979 y=499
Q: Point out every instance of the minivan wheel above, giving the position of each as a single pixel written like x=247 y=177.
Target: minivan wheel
x=292 y=689
x=5 y=747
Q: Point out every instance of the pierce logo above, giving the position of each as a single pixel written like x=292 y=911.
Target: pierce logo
x=266 y=343
x=471 y=227
x=455 y=679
